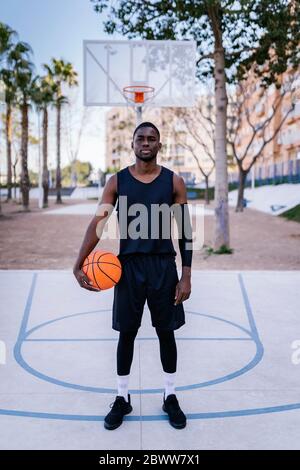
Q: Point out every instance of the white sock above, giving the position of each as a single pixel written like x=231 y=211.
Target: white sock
x=169 y=383
x=123 y=381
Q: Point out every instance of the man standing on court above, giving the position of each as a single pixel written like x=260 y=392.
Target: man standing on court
x=149 y=269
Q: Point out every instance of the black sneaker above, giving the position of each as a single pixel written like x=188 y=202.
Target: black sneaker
x=171 y=406
x=119 y=409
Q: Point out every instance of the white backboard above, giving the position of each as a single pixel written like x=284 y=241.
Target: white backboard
x=168 y=66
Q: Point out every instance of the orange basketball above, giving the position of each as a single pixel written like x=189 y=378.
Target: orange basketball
x=103 y=269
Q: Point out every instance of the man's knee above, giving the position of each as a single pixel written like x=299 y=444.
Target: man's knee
x=127 y=336
x=165 y=334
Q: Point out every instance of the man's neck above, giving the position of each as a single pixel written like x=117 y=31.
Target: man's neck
x=145 y=168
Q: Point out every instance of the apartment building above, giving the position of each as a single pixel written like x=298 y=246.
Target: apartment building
x=281 y=156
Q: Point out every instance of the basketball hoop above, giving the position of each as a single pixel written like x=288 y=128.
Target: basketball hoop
x=138 y=94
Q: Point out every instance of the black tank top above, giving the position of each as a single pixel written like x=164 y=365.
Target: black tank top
x=157 y=192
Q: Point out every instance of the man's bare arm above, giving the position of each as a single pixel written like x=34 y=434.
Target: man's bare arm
x=180 y=197
x=94 y=230
x=183 y=288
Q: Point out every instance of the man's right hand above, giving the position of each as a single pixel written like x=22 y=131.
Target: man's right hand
x=83 y=280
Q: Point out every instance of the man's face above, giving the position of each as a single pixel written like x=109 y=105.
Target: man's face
x=146 y=144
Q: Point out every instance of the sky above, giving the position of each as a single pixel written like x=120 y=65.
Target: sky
x=56 y=28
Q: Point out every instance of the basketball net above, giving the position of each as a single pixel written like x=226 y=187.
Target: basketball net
x=137 y=96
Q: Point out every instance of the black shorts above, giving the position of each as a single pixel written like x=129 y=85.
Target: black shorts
x=150 y=277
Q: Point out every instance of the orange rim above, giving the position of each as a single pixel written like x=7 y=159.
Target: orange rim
x=138 y=94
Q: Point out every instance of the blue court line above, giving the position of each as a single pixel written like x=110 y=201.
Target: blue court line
x=209 y=415
x=25 y=336
x=63 y=340
x=248 y=308
x=19 y=358
x=66 y=317
x=27 y=308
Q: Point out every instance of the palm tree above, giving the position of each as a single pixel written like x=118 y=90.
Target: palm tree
x=43 y=98
x=6 y=41
x=10 y=93
x=60 y=72
x=25 y=83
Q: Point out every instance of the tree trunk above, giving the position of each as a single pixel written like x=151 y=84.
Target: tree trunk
x=240 y=199
x=25 y=182
x=45 y=158
x=8 y=132
x=206 y=193
x=221 y=238
x=58 y=172
x=15 y=181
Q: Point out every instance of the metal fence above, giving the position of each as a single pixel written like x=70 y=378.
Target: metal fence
x=277 y=173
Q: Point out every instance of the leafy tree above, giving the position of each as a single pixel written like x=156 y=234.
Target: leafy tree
x=10 y=95
x=198 y=139
x=262 y=123
x=7 y=36
x=232 y=37
x=44 y=97
x=59 y=73
x=16 y=134
x=18 y=59
x=82 y=169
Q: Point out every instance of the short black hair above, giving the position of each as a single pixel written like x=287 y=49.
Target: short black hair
x=147 y=124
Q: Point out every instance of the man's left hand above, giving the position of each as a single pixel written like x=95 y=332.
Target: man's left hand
x=183 y=290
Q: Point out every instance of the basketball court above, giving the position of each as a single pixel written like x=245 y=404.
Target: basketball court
x=238 y=378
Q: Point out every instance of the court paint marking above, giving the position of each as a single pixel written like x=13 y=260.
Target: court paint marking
x=23 y=336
